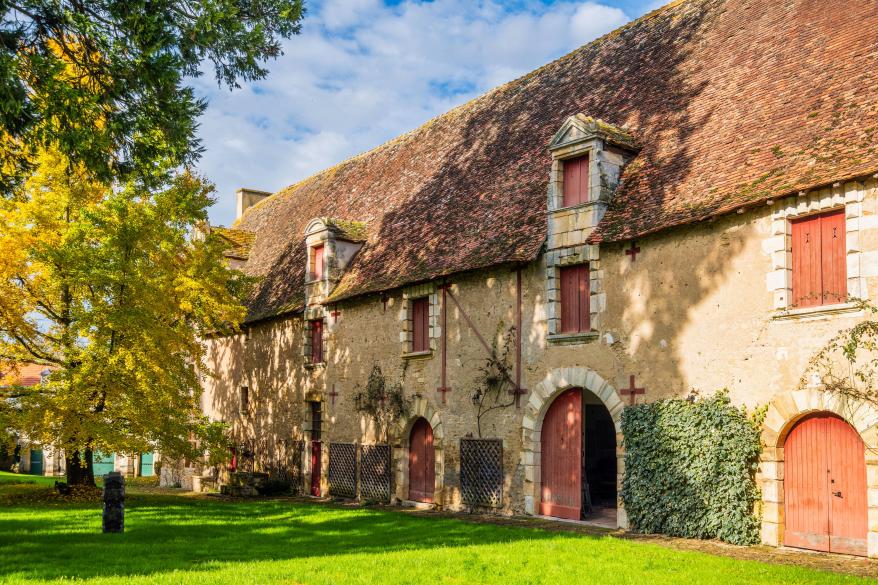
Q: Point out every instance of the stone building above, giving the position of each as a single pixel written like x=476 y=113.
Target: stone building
x=684 y=205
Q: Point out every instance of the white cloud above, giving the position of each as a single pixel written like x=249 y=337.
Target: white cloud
x=362 y=72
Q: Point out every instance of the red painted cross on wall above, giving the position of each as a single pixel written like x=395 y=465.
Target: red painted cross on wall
x=518 y=393
x=632 y=391
x=633 y=251
x=333 y=394
x=335 y=315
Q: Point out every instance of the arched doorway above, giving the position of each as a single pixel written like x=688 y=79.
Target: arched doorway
x=825 y=486
x=422 y=462
x=578 y=462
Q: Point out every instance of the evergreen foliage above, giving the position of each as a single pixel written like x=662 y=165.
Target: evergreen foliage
x=690 y=469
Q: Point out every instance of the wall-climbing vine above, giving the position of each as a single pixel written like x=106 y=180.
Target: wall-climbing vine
x=690 y=468
x=382 y=401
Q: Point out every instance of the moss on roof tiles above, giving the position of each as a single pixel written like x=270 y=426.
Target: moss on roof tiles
x=713 y=89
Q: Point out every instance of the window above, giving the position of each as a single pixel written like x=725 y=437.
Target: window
x=317 y=341
x=317 y=262
x=421 y=324
x=245 y=400
x=819 y=267
x=574 y=299
x=575 y=181
x=316 y=421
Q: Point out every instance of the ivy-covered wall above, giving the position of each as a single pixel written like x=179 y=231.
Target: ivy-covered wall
x=690 y=469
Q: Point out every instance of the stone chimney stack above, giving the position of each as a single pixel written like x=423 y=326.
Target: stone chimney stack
x=247 y=198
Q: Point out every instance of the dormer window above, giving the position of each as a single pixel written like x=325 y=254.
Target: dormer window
x=575 y=181
x=588 y=158
x=318 y=262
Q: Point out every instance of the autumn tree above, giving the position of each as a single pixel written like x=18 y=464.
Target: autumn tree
x=105 y=285
x=66 y=65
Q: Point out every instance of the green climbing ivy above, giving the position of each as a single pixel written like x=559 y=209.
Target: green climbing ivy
x=690 y=468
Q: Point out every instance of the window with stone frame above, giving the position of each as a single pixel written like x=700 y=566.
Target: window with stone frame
x=420 y=325
x=244 y=403
x=819 y=271
x=316 y=338
x=318 y=262
x=575 y=302
x=419 y=316
x=575 y=188
x=800 y=290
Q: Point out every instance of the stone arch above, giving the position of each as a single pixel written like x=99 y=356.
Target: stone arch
x=784 y=411
x=557 y=381
x=421 y=408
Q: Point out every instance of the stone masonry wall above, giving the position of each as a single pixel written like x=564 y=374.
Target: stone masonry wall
x=696 y=311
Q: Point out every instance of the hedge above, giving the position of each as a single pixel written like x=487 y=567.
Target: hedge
x=690 y=469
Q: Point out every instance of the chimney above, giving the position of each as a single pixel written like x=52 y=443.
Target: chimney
x=247 y=198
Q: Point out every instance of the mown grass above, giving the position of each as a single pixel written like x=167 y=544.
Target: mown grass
x=181 y=539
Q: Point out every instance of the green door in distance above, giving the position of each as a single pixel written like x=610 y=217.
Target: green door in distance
x=103 y=463
x=146 y=468
x=36 y=462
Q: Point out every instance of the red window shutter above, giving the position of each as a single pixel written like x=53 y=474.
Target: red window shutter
x=584 y=292
x=575 y=299
x=575 y=181
x=316 y=341
x=832 y=257
x=421 y=324
x=317 y=263
x=819 y=265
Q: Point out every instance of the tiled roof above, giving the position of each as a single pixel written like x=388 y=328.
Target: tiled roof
x=239 y=241
x=732 y=103
x=23 y=375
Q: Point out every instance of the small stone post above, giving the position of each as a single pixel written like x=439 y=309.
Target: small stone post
x=114 y=502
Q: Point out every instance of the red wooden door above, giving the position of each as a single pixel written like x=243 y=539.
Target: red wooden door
x=315 y=467
x=422 y=462
x=825 y=486
x=561 y=458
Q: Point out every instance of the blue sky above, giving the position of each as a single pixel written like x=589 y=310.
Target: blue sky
x=364 y=71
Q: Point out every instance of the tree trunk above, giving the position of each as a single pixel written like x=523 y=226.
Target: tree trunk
x=80 y=472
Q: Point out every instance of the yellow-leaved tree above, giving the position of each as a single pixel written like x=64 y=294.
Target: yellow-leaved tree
x=105 y=285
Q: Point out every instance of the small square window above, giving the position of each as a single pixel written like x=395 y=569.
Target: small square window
x=421 y=325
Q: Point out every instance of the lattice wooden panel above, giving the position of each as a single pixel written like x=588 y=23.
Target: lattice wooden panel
x=375 y=473
x=481 y=472
x=343 y=469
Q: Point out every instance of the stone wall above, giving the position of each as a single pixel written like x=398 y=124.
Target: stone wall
x=696 y=310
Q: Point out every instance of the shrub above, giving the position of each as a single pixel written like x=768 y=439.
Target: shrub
x=690 y=469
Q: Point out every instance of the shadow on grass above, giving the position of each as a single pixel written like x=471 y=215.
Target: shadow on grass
x=164 y=534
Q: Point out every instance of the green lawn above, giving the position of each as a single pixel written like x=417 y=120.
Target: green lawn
x=180 y=539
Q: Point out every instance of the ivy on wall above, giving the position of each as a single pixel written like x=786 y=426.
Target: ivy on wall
x=690 y=469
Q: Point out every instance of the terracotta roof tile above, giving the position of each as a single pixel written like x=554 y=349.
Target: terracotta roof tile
x=23 y=375
x=732 y=102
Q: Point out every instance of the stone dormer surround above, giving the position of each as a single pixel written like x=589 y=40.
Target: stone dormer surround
x=341 y=240
x=608 y=149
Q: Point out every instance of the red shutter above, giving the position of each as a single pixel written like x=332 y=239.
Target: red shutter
x=819 y=267
x=316 y=341
x=832 y=257
x=584 y=291
x=420 y=324
x=575 y=299
x=317 y=264
x=575 y=181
